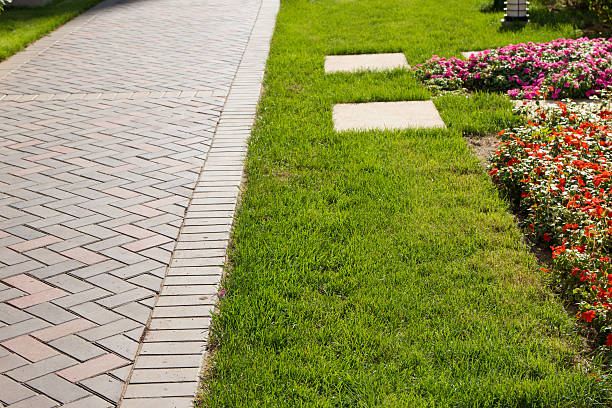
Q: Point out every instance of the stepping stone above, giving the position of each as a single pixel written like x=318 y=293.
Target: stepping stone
x=365 y=62
x=386 y=115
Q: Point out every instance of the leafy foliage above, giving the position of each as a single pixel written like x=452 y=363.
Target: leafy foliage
x=4 y=3
x=564 y=68
x=603 y=8
x=558 y=171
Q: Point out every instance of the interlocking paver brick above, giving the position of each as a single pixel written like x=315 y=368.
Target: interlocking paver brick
x=186 y=389
x=110 y=329
x=84 y=255
x=69 y=283
x=161 y=375
x=195 y=270
x=37 y=298
x=24 y=327
x=134 y=231
x=64 y=329
x=98 y=173
x=11 y=391
x=121 y=373
x=111 y=283
x=95 y=313
x=40 y=368
x=148 y=281
x=11 y=270
x=128 y=297
x=169 y=361
x=146 y=243
x=135 y=311
x=11 y=361
x=76 y=347
x=161 y=253
x=189 y=290
x=29 y=348
x=58 y=388
x=175 y=335
x=180 y=323
x=46 y=272
x=27 y=283
x=11 y=257
x=169 y=348
x=10 y=315
x=72 y=243
x=183 y=311
x=136 y=334
x=46 y=256
x=37 y=401
x=122 y=345
x=125 y=255
x=82 y=297
x=177 y=402
x=51 y=313
x=35 y=243
x=105 y=385
x=93 y=367
x=90 y=401
x=106 y=266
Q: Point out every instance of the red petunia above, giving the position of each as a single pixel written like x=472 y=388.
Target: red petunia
x=588 y=316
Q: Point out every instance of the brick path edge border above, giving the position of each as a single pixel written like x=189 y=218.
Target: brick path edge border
x=166 y=371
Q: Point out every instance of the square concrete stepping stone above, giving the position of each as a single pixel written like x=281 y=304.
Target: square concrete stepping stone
x=365 y=62
x=386 y=115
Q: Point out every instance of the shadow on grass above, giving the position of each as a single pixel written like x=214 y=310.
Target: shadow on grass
x=542 y=16
x=494 y=6
x=19 y=26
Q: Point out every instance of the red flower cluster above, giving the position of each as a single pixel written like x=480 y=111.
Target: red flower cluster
x=558 y=171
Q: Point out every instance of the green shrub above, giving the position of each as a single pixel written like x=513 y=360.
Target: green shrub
x=4 y=3
x=603 y=8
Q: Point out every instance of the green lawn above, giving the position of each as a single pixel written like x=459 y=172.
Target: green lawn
x=20 y=26
x=382 y=268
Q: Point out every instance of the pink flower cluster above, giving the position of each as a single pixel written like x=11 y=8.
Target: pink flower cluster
x=564 y=68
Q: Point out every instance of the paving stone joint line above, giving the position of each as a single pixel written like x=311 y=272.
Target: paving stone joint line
x=100 y=165
x=202 y=169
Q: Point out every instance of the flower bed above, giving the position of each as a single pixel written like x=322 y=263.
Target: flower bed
x=564 y=68
x=558 y=172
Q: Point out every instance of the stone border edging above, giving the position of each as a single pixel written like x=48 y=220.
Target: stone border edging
x=181 y=317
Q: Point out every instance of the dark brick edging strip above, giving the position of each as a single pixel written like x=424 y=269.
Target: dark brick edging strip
x=166 y=369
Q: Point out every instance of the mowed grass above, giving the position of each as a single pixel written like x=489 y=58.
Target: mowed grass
x=381 y=269
x=19 y=26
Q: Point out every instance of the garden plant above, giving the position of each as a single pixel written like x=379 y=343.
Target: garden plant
x=557 y=170
x=3 y=3
x=564 y=68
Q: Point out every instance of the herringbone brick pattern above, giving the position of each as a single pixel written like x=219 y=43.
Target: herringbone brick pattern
x=133 y=47
x=103 y=136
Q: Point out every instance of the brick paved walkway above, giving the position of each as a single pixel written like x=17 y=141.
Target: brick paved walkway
x=122 y=141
